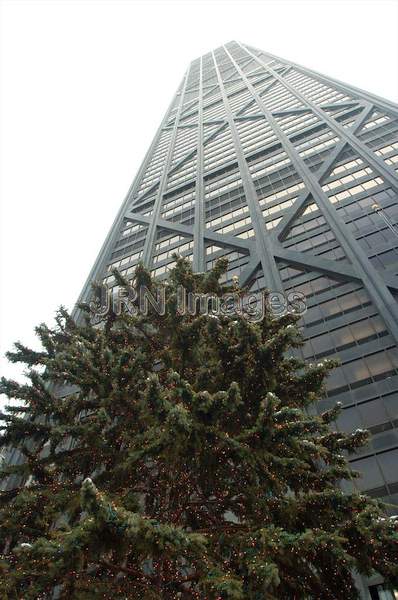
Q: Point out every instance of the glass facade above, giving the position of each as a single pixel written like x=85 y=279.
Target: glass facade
x=294 y=177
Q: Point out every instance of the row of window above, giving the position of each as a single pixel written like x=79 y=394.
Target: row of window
x=185 y=173
x=173 y=199
x=172 y=239
x=236 y=225
x=304 y=147
x=132 y=258
x=347 y=166
x=136 y=228
x=364 y=370
x=225 y=204
x=237 y=100
x=365 y=186
x=163 y=269
x=138 y=234
x=347 y=336
x=313 y=90
x=275 y=183
x=134 y=247
x=226 y=184
x=182 y=249
x=280 y=207
x=274 y=163
x=377 y=470
x=373 y=122
x=254 y=134
x=293 y=123
x=216 y=111
x=228 y=216
x=186 y=141
x=348 y=298
x=389 y=154
x=167 y=214
x=283 y=193
x=280 y=99
x=330 y=140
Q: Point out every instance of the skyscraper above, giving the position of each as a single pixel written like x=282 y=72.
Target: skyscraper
x=292 y=176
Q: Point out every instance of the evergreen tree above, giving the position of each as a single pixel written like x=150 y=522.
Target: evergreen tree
x=181 y=462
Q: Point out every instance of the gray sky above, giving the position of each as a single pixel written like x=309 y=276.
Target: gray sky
x=84 y=85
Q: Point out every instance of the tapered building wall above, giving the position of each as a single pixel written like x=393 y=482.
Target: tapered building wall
x=279 y=169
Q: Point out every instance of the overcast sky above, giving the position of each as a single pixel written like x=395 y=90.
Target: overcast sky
x=84 y=85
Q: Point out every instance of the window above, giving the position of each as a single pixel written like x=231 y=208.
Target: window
x=370 y=473
x=388 y=462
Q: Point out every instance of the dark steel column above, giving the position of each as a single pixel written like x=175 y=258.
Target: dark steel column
x=263 y=242
x=149 y=241
x=199 y=258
